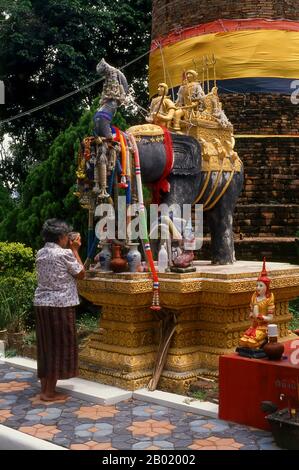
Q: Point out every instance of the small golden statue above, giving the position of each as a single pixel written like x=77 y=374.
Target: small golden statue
x=190 y=99
x=162 y=108
x=261 y=311
x=213 y=110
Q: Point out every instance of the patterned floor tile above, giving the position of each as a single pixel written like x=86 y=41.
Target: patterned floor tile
x=151 y=427
x=7 y=401
x=13 y=386
x=17 y=375
x=132 y=424
x=96 y=412
x=4 y=415
x=40 y=431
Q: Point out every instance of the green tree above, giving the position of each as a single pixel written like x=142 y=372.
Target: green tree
x=47 y=191
x=6 y=203
x=51 y=47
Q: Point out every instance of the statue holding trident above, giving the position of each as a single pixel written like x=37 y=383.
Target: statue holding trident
x=190 y=97
x=113 y=95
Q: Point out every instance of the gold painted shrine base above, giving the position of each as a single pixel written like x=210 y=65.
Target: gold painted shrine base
x=212 y=310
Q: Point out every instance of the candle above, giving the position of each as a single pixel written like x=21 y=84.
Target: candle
x=272 y=330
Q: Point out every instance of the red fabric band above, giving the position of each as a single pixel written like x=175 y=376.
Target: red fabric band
x=163 y=184
x=224 y=26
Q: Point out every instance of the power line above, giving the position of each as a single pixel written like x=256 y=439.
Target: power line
x=72 y=93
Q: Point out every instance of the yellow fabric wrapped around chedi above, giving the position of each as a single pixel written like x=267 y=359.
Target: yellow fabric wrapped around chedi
x=262 y=308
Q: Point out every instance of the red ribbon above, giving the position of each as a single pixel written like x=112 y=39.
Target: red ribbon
x=163 y=184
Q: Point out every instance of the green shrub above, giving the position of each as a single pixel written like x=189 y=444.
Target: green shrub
x=16 y=301
x=15 y=259
x=87 y=322
x=11 y=353
x=30 y=338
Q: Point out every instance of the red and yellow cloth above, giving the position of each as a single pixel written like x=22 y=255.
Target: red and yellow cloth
x=257 y=54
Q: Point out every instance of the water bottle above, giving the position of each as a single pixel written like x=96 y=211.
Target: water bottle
x=162 y=259
x=189 y=238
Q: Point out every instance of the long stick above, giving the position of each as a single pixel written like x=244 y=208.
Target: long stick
x=214 y=61
x=168 y=326
x=208 y=73
x=203 y=74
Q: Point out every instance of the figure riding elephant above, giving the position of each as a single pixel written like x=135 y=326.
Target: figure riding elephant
x=187 y=181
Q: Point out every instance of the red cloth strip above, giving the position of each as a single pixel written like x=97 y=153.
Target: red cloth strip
x=224 y=26
x=163 y=184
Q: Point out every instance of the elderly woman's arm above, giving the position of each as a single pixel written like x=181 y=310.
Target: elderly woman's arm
x=74 y=246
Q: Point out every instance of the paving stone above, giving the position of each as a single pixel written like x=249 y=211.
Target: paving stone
x=179 y=445
x=178 y=434
x=68 y=415
x=63 y=422
x=123 y=438
x=201 y=434
x=83 y=434
x=65 y=427
x=139 y=438
x=249 y=447
x=82 y=427
x=62 y=442
x=165 y=445
x=112 y=430
x=48 y=422
x=141 y=445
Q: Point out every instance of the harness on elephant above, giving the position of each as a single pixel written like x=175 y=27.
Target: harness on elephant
x=218 y=158
x=154 y=133
x=209 y=202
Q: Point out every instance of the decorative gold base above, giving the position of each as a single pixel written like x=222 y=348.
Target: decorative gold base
x=127 y=381
x=212 y=310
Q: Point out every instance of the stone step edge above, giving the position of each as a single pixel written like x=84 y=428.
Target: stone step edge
x=11 y=439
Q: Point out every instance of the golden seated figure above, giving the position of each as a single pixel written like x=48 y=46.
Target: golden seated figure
x=261 y=311
x=162 y=109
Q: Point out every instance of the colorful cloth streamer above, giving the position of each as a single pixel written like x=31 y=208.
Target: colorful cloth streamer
x=143 y=223
x=119 y=137
x=163 y=184
x=243 y=51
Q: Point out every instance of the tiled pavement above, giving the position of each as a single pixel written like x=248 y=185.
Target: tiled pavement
x=131 y=424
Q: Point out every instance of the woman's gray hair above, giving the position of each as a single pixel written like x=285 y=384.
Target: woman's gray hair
x=53 y=229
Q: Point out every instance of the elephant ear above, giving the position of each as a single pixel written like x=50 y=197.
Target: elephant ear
x=187 y=155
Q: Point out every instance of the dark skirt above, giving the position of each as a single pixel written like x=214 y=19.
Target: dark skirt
x=57 y=347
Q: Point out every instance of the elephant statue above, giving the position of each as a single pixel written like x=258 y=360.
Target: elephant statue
x=183 y=169
x=187 y=180
x=191 y=179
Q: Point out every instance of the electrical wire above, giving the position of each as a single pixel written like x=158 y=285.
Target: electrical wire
x=68 y=95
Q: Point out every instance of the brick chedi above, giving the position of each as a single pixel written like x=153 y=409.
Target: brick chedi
x=256 y=43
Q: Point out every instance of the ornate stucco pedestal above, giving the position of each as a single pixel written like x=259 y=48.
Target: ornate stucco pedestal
x=212 y=308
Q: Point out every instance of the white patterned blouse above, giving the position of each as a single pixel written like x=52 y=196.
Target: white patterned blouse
x=56 y=268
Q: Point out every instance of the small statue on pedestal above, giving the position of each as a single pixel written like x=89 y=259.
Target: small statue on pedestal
x=261 y=312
